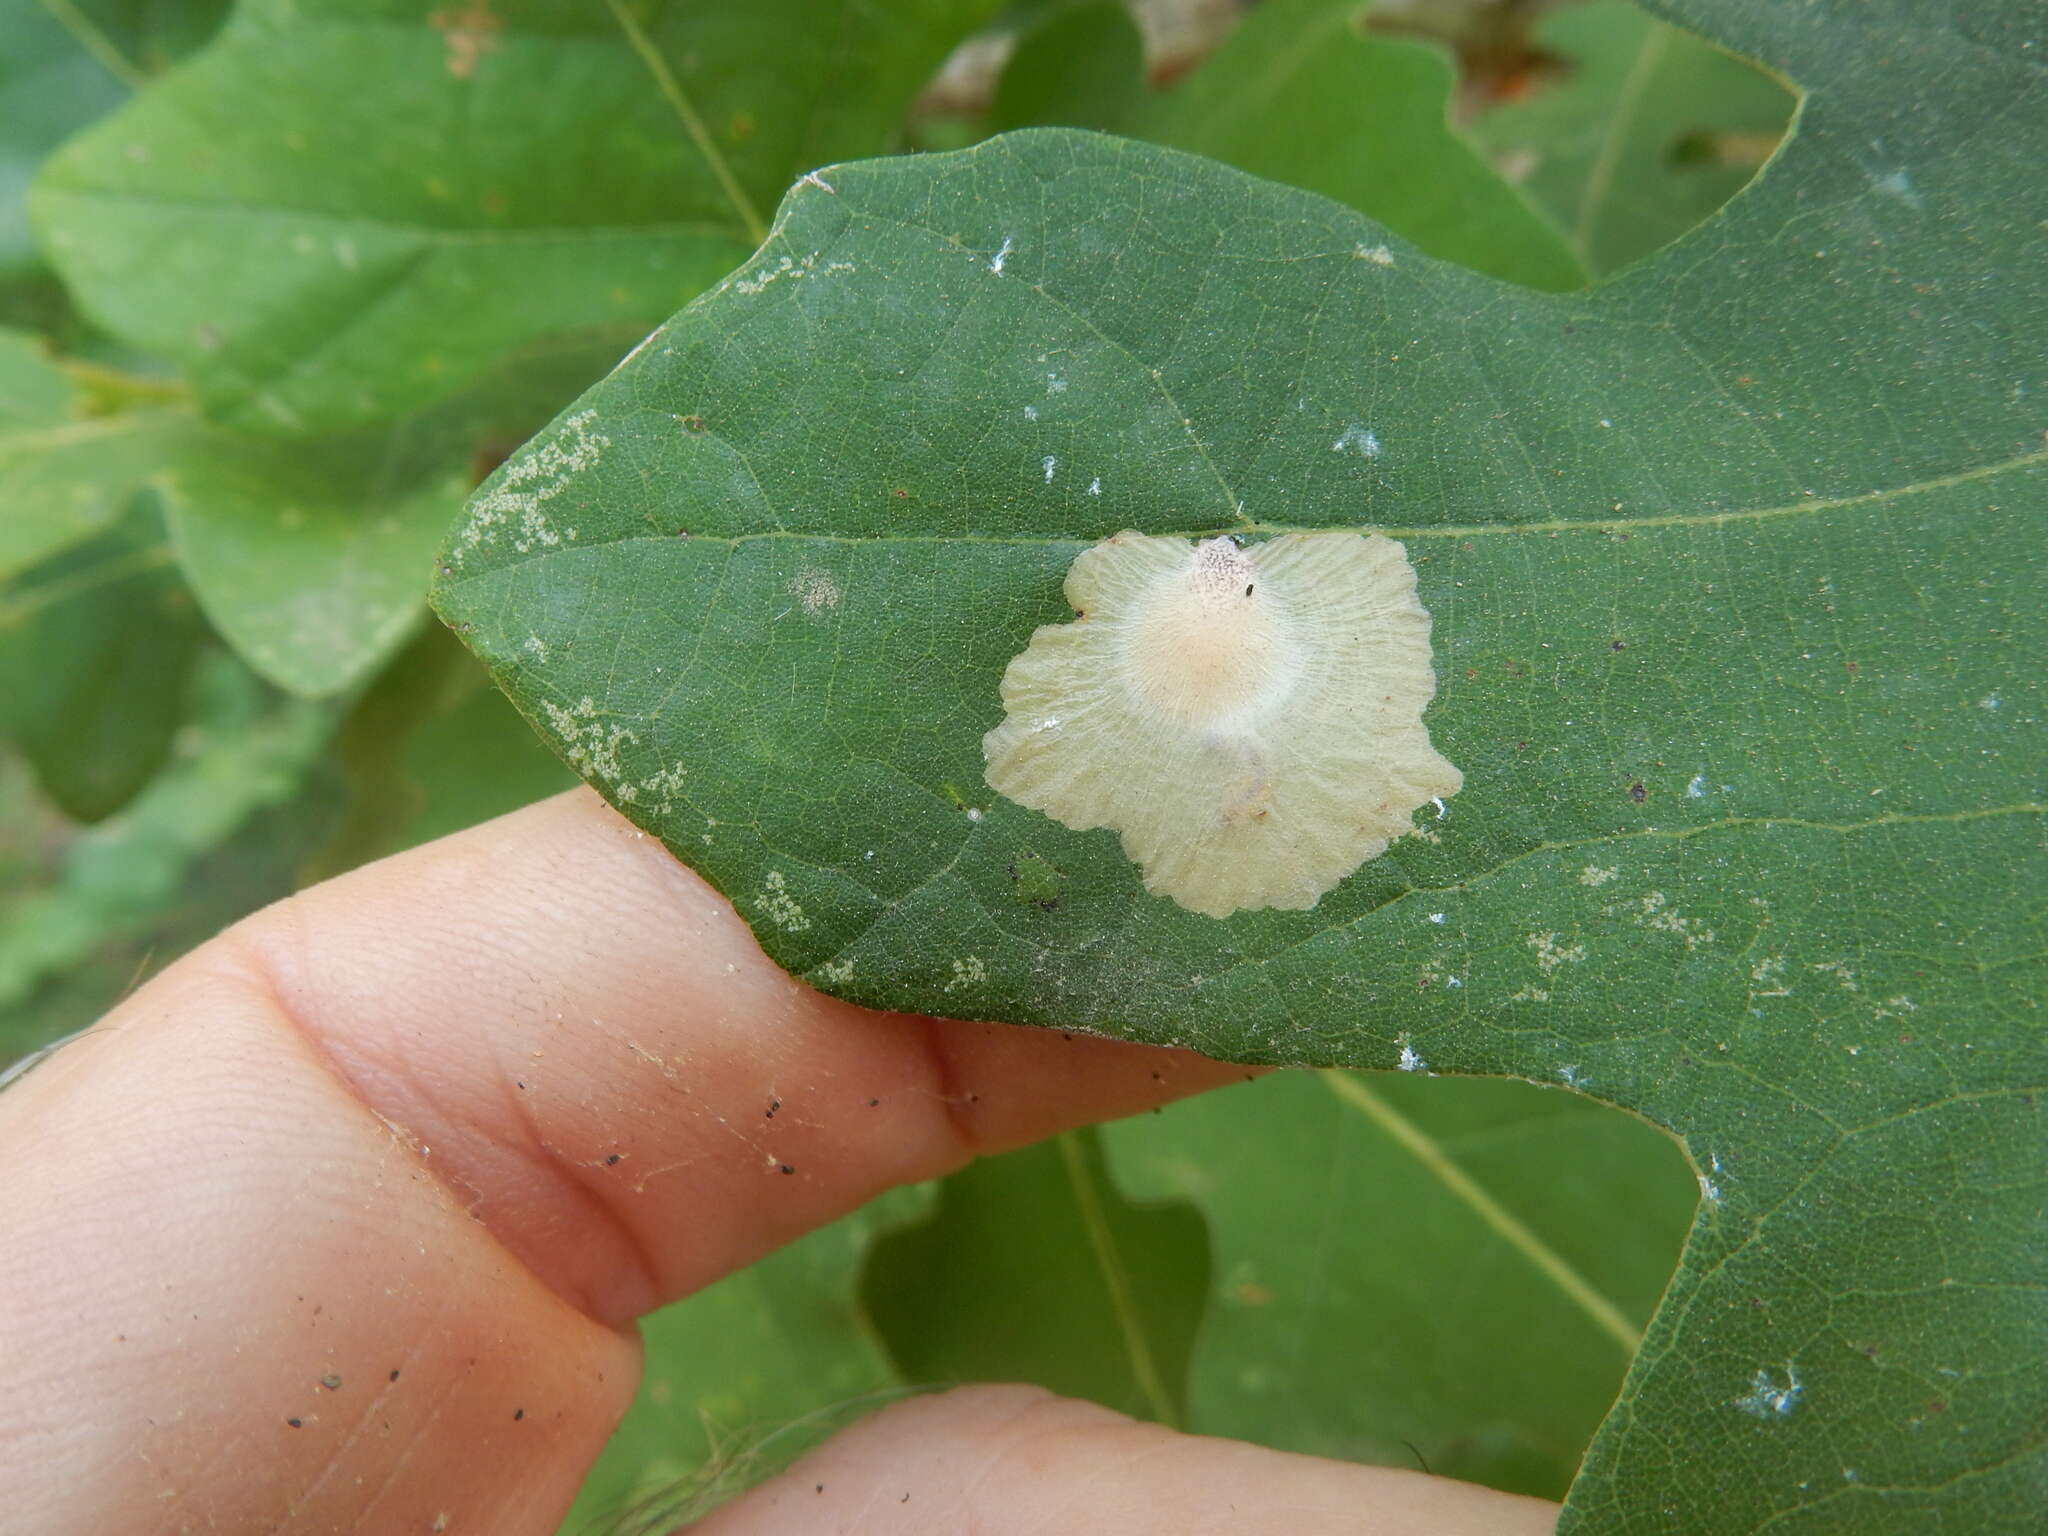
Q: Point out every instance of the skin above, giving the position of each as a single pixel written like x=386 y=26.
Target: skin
x=342 y=1223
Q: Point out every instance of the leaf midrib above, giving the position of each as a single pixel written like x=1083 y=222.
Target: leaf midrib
x=1605 y=525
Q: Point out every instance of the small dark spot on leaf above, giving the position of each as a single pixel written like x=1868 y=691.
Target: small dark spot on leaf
x=1248 y=589
x=691 y=424
x=1637 y=793
x=1619 y=645
x=901 y=495
x=682 y=533
x=1937 y=1405
x=1851 y=668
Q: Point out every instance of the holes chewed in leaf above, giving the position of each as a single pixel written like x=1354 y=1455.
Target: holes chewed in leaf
x=1250 y=720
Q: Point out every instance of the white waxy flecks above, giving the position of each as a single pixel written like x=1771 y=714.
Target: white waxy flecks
x=1249 y=719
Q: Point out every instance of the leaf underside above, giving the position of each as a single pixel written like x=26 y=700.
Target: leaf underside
x=1734 y=569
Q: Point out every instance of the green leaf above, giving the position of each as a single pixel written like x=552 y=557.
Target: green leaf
x=1653 y=130
x=1299 y=94
x=1035 y=1268
x=742 y=1378
x=95 y=649
x=1081 y=66
x=310 y=556
x=429 y=748
x=320 y=256
x=218 y=833
x=66 y=63
x=68 y=467
x=1455 y=1269
x=1734 y=567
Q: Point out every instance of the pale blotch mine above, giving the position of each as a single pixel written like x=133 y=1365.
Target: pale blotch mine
x=1248 y=719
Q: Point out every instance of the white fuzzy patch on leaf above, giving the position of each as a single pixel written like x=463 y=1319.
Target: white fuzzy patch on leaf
x=1249 y=719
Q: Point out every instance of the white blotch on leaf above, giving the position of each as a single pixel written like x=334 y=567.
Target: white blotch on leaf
x=1838 y=970
x=1095 y=486
x=788 y=267
x=1249 y=719
x=1697 y=789
x=1410 y=1061
x=1358 y=439
x=968 y=971
x=995 y=262
x=592 y=744
x=1594 y=875
x=1770 y=1398
x=815 y=591
x=540 y=474
x=779 y=906
x=1051 y=466
x=1655 y=911
x=1552 y=951
x=1898 y=184
x=1378 y=255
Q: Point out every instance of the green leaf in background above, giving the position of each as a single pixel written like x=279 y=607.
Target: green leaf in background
x=310 y=556
x=1651 y=132
x=429 y=748
x=742 y=1378
x=1034 y=1267
x=320 y=256
x=84 y=914
x=95 y=649
x=69 y=467
x=1734 y=565
x=1300 y=94
x=1081 y=66
x=1458 y=1269
x=64 y=63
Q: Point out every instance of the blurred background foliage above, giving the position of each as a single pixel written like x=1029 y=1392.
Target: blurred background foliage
x=244 y=387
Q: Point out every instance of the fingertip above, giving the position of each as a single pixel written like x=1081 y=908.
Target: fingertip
x=1019 y=1461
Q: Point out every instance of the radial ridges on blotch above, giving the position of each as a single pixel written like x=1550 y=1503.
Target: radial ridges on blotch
x=1247 y=718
